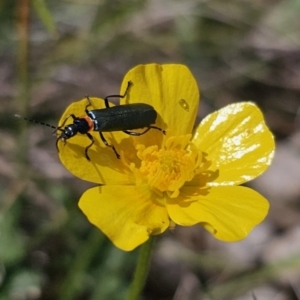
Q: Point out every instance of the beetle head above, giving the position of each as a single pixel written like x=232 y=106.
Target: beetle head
x=68 y=132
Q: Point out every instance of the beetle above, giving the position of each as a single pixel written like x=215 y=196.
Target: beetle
x=124 y=118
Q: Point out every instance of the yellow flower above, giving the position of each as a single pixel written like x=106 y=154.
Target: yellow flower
x=185 y=177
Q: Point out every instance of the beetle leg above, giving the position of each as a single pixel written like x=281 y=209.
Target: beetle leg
x=136 y=133
x=89 y=103
x=108 y=145
x=141 y=133
x=117 y=96
x=89 y=146
x=160 y=129
x=64 y=122
x=57 y=140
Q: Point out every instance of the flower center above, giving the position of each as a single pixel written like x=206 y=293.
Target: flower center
x=169 y=168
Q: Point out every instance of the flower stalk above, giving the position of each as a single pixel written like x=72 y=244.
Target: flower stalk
x=141 y=271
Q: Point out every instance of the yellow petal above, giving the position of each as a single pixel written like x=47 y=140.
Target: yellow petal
x=237 y=142
x=229 y=213
x=104 y=167
x=171 y=89
x=127 y=215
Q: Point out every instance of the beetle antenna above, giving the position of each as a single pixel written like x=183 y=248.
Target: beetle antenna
x=34 y=121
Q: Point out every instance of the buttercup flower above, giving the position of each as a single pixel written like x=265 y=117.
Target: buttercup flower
x=185 y=177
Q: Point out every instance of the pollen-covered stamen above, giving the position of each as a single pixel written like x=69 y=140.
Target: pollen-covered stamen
x=169 y=168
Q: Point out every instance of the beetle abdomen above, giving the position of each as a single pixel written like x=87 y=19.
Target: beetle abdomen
x=123 y=117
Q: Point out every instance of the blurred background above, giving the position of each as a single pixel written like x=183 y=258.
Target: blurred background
x=53 y=53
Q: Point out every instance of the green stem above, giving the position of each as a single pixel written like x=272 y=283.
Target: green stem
x=141 y=270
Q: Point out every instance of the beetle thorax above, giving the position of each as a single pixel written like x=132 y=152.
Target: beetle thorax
x=82 y=125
